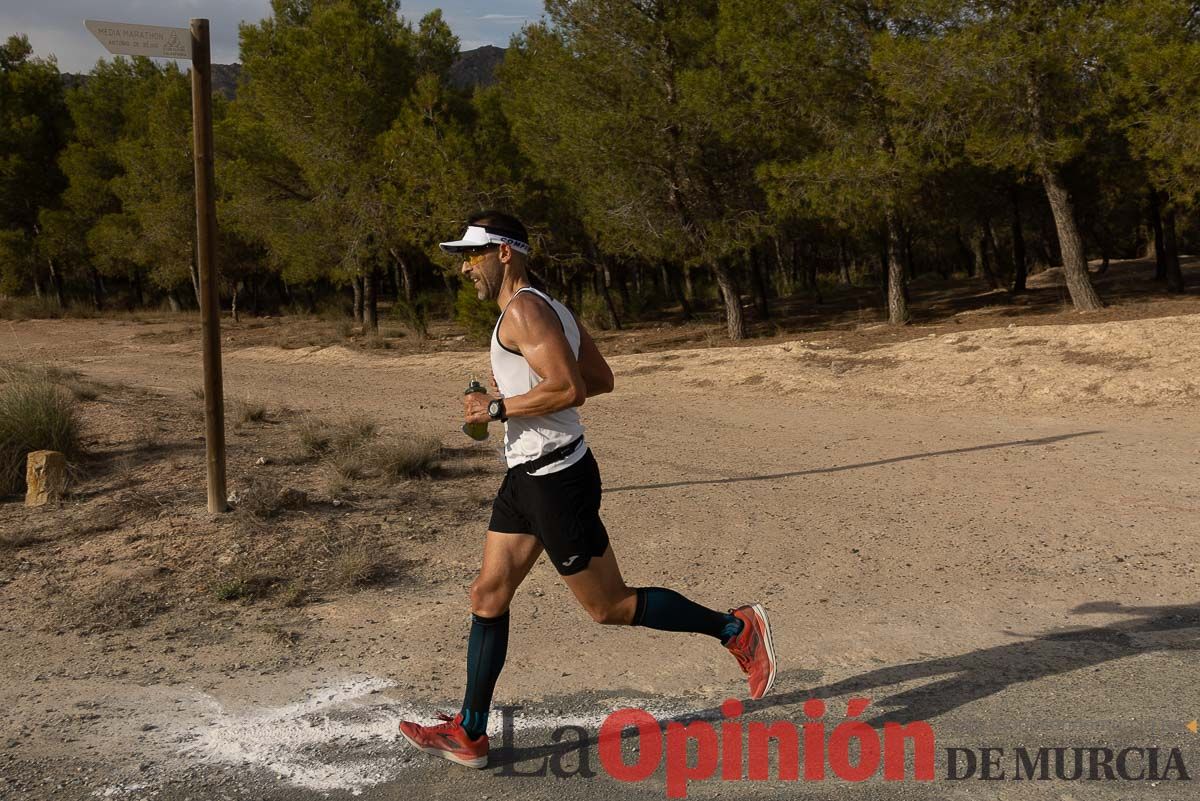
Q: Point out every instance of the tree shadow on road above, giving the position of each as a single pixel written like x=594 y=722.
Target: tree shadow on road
x=1020 y=443
x=978 y=674
x=962 y=678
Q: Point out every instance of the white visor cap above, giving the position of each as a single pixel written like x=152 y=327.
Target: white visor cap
x=479 y=236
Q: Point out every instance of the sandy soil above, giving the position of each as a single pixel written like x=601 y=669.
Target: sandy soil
x=993 y=530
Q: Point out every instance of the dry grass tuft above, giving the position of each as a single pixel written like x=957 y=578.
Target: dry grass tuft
x=245 y=411
x=353 y=566
x=243 y=584
x=398 y=459
x=265 y=498
x=35 y=414
x=376 y=341
x=1112 y=362
x=17 y=539
x=123 y=604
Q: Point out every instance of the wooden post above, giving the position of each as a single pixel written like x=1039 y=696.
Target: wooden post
x=206 y=237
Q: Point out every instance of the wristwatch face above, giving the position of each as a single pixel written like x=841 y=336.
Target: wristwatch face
x=494 y=409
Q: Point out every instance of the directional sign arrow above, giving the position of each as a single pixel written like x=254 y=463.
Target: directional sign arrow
x=127 y=39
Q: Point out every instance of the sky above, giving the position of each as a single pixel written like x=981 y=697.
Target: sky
x=55 y=27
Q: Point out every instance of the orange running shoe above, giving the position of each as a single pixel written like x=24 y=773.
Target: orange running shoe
x=448 y=740
x=753 y=648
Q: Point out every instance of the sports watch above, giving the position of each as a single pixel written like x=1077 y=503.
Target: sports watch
x=496 y=410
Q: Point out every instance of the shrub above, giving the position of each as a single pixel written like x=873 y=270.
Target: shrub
x=248 y=411
x=376 y=341
x=29 y=308
x=315 y=437
x=353 y=433
x=414 y=315
x=35 y=414
x=245 y=585
x=595 y=311
x=406 y=458
x=353 y=566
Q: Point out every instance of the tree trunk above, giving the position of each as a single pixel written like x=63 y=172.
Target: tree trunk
x=1160 y=248
x=233 y=303
x=898 y=313
x=139 y=297
x=785 y=280
x=813 y=284
x=56 y=284
x=1171 y=246
x=356 y=285
x=606 y=289
x=370 y=300
x=289 y=298
x=966 y=252
x=622 y=279
x=173 y=300
x=910 y=265
x=406 y=279
x=37 y=283
x=983 y=264
x=734 y=323
x=673 y=280
x=999 y=268
x=1075 y=268
x=760 y=287
x=883 y=268
x=97 y=289
x=689 y=289
x=195 y=271
x=843 y=263
x=1020 y=268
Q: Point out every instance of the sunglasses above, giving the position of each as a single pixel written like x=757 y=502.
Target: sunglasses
x=473 y=257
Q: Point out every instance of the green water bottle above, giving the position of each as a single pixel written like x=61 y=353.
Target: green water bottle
x=477 y=431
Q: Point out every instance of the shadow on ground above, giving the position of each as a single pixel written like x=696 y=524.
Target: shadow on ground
x=962 y=678
x=1020 y=443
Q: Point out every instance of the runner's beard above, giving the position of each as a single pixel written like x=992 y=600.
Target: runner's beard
x=485 y=289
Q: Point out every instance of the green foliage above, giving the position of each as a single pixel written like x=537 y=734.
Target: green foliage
x=1157 y=76
x=414 y=314
x=477 y=316
x=156 y=187
x=686 y=132
x=617 y=101
x=33 y=129
x=315 y=112
x=595 y=311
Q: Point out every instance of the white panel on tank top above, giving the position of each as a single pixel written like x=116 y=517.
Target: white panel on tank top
x=528 y=438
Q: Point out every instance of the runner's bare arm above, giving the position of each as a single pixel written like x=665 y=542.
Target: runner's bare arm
x=532 y=327
x=597 y=375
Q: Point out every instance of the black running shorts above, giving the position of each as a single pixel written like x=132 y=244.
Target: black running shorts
x=561 y=509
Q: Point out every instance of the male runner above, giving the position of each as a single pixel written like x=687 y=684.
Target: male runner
x=545 y=365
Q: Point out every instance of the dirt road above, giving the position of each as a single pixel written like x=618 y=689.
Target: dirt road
x=1017 y=568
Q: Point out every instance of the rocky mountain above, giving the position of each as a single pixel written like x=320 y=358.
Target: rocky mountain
x=476 y=67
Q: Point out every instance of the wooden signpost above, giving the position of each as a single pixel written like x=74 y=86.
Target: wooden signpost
x=147 y=40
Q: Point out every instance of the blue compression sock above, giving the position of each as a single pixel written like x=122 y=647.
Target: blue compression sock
x=486 y=649
x=667 y=610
